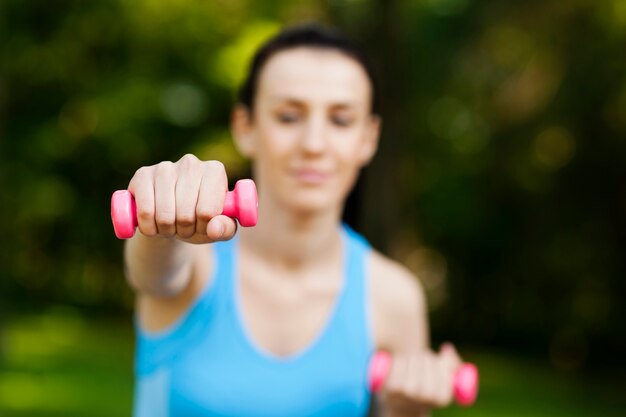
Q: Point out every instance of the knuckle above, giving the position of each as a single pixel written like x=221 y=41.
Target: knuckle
x=186 y=219
x=188 y=160
x=164 y=167
x=215 y=167
x=141 y=172
x=205 y=215
x=148 y=231
x=145 y=213
x=141 y=175
x=208 y=212
x=165 y=219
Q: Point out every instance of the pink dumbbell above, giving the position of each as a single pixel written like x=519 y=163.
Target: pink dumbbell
x=465 y=378
x=240 y=204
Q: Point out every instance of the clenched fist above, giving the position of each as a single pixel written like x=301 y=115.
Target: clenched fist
x=183 y=199
x=420 y=381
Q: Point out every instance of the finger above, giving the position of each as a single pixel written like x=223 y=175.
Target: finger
x=221 y=228
x=213 y=188
x=415 y=377
x=450 y=356
x=396 y=374
x=187 y=190
x=445 y=390
x=428 y=386
x=165 y=198
x=141 y=187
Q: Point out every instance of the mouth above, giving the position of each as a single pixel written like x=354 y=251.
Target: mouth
x=311 y=176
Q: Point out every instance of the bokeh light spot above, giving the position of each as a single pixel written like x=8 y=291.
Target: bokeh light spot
x=451 y=119
x=231 y=63
x=184 y=104
x=554 y=147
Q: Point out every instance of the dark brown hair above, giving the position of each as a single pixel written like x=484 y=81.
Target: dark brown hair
x=308 y=35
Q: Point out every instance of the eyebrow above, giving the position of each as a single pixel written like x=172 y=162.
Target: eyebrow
x=299 y=102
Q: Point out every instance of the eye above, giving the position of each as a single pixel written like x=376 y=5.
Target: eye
x=287 y=117
x=342 y=120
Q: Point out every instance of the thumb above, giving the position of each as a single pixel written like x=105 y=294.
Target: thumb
x=221 y=228
x=450 y=356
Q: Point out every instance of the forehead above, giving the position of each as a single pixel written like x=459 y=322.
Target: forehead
x=310 y=74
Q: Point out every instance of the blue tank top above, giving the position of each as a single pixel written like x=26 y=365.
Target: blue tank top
x=207 y=365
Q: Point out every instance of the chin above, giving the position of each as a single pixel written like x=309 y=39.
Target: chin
x=309 y=202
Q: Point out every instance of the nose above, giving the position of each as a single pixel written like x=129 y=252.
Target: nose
x=314 y=137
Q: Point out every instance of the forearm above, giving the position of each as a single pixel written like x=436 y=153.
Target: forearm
x=158 y=265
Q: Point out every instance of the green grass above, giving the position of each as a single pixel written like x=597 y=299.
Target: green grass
x=62 y=364
x=513 y=386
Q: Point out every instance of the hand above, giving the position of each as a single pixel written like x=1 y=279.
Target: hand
x=421 y=381
x=183 y=199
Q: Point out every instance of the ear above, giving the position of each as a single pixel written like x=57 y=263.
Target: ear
x=241 y=128
x=371 y=137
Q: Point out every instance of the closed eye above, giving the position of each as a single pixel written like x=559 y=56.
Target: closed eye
x=342 y=121
x=288 y=117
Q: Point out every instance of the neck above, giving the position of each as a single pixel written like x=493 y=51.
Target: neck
x=293 y=240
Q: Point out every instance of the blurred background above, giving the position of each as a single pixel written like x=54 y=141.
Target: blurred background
x=500 y=180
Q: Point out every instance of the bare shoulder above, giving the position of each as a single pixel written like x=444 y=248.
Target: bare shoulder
x=398 y=305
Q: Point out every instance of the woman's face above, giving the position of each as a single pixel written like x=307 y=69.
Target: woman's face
x=312 y=129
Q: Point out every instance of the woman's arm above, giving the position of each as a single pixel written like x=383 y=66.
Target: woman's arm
x=419 y=378
x=158 y=266
x=178 y=210
x=167 y=275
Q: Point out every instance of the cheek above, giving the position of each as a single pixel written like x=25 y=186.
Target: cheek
x=276 y=142
x=349 y=149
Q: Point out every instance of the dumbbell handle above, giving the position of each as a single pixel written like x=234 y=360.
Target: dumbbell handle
x=465 y=379
x=240 y=204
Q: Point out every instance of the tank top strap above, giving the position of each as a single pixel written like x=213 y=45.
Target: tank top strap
x=354 y=314
x=357 y=252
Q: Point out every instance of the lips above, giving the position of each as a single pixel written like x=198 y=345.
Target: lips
x=311 y=176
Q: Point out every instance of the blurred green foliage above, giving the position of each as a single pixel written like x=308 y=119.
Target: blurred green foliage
x=506 y=129
x=500 y=178
x=58 y=363
x=62 y=364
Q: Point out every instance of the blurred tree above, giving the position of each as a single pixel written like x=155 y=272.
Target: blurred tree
x=504 y=132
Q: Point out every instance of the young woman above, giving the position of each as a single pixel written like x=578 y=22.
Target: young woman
x=280 y=319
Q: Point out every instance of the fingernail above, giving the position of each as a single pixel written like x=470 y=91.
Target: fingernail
x=222 y=230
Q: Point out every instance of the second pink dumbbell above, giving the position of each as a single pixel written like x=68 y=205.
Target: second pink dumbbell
x=465 y=379
x=240 y=204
